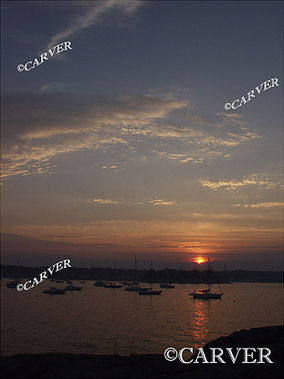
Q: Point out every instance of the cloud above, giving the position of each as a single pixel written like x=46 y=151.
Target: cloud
x=48 y=125
x=230 y=115
x=233 y=184
x=268 y=204
x=114 y=202
x=55 y=86
x=161 y=202
x=105 y=201
x=91 y=15
x=39 y=128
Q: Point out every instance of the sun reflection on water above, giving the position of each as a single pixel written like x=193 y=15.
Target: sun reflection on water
x=199 y=321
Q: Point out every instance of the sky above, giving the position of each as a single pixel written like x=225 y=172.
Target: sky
x=121 y=145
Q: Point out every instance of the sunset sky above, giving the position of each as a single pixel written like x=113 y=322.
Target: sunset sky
x=122 y=145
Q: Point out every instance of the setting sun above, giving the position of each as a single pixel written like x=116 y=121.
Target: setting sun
x=199 y=260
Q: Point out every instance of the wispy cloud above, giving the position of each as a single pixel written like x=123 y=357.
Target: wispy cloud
x=268 y=204
x=161 y=202
x=105 y=201
x=92 y=14
x=56 y=86
x=232 y=184
x=46 y=126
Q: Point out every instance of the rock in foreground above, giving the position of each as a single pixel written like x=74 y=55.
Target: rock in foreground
x=151 y=366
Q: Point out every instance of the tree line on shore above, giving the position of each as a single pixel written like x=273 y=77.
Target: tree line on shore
x=142 y=275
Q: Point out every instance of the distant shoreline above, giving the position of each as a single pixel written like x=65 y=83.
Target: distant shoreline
x=151 y=366
x=157 y=276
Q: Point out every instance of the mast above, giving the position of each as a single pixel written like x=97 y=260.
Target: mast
x=114 y=266
x=209 y=274
x=151 y=276
x=135 y=268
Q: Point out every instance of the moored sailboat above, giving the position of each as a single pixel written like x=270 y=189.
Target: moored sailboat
x=206 y=293
x=55 y=291
x=113 y=284
x=12 y=284
x=149 y=291
x=134 y=286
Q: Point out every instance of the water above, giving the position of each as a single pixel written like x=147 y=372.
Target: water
x=112 y=321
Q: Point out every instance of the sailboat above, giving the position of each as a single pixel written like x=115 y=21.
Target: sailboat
x=70 y=287
x=149 y=291
x=55 y=291
x=113 y=284
x=134 y=286
x=167 y=285
x=206 y=293
x=12 y=284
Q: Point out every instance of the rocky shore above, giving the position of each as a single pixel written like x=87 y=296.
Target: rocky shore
x=152 y=366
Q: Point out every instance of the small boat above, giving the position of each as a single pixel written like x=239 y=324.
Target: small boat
x=70 y=287
x=12 y=284
x=149 y=291
x=112 y=285
x=99 y=283
x=206 y=293
x=59 y=281
x=125 y=283
x=166 y=285
x=132 y=288
x=69 y=281
x=81 y=281
x=55 y=291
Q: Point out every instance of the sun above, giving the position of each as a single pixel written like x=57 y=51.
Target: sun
x=199 y=260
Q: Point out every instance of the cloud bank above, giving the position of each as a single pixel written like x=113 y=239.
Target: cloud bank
x=40 y=128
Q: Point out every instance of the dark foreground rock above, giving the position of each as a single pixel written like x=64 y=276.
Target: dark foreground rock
x=152 y=366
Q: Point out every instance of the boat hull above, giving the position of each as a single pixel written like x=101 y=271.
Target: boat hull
x=131 y=289
x=55 y=292
x=150 y=292
x=99 y=284
x=167 y=286
x=113 y=286
x=207 y=295
x=69 y=288
x=12 y=284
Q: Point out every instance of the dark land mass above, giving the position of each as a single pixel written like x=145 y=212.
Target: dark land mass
x=153 y=366
x=158 y=276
